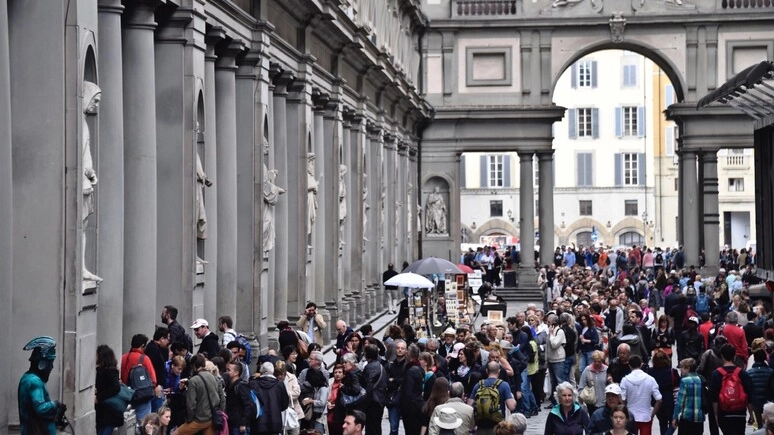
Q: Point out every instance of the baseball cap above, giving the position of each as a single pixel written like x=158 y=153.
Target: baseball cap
x=694 y=319
x=199 y=323
x=613 y=389
x=456 y=350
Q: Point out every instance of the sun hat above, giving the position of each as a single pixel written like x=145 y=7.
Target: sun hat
x=447 y=418
x=449 y=331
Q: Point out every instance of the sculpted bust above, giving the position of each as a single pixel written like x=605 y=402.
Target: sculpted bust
x=91 y=98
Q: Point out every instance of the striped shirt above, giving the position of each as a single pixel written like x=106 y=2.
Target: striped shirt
x=688 y=404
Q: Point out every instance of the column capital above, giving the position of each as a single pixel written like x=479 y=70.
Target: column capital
x=141 y=14
x=110 y=6
x=280 y=78
x=227 y=51
x=526 y=156
x=348 y=114
x=172 y=24
x=212 y=37
x=320 y=100
x=708 y=155
x=246 y=63
x=545 y=155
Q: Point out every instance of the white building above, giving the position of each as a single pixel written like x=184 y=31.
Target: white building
x=615 y=165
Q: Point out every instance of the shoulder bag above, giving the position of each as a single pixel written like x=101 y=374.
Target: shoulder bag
x=588 y=394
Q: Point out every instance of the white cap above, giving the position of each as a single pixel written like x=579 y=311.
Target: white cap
x=694 y=319
x=613 y=389
x=199 y=323
x=456 y=350
x=449 y=331
x=447 y=418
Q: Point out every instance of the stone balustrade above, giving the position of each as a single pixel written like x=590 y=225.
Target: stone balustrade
x=488 y=8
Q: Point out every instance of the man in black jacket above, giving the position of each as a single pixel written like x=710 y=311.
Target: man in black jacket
x=239 y=405
x=376 y=385
x=158 y=353
x=274 y=399
x=176 y=330
x=396 y=370
x=210 y=344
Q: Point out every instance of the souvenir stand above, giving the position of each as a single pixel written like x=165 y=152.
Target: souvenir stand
x=459 y=306
x=420 y=303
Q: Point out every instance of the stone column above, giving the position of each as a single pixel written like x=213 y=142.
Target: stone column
x=6 y=212
x=412 y=226
x=110 y=255
x=400 y=202
x=175 y=132
x=546 y=206
x=331 y=283
x=297 y=236
x=690 y=201
x=526 y=220
x=249 y=195
x=279 y=255
x=356 y=171
x=225 y=117
x=389 y=175
x=210 y=163
x=368 y=237
x=709 y=160
x=326 y=218
x=140 y=196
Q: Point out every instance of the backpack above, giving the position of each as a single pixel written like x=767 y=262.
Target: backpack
x=487 y=403
x=732 y=396
x=242 y=340
x=189 y=342
x=140 y=382
x=256 y=404
x=702 y=303
x=688 y=314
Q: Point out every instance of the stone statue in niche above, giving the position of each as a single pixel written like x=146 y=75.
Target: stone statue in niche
x=91 y=98
x=311 y=193
x=202 y=181
x=410 y=218
x=366 y=207
x=435 y=216
x=342 y=203
x=271 y=194
x=382 y=196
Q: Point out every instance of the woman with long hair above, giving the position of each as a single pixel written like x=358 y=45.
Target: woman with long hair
x=668 y=380
x=466 y=370
x=293 y=388
x=589 y=339
x=438 y=396
x=107 y=385
x=333 y=396
x=663 y=337
x=412 y=397
x=165 y=416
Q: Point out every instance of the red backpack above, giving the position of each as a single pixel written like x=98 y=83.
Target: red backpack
x=732 y=396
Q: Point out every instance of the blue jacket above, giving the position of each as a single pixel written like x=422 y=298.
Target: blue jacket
x=762 y=391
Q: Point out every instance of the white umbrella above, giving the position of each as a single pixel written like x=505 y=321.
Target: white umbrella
x=410 y=280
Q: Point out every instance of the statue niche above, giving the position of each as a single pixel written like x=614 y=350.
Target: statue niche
x=91 y=98
x=271 y=194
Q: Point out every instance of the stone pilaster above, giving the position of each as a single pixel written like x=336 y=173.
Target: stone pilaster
x=141 y=187
x=356 y=172
x=526 y=218
x=225 y=117
x=110 y=255
x=346 y=267
x=546 y=206
x=327 y=214
x=709 y=161
x=279 y=255
x=377 y=263
x=6 y=212
x=401 y=203
x=690 y=201
x=249 y=194
x=389 y=180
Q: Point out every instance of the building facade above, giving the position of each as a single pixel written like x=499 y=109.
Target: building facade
x=231 y=158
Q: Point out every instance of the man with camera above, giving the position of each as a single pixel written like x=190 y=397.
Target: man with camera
x=312 y=323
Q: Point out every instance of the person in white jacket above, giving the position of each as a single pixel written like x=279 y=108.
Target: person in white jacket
x=555 y=354
x=637 y=389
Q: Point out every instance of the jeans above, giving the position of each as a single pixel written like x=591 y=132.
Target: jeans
x=393 y=413
x=555 y=373
x=141 y=410
x=156 y=403
x=235 y=431
x=105 y=430
x=585 y=360
x=527 y=402
x=569 y=364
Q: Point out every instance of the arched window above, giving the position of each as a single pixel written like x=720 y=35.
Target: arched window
x=583 y=239
x=631 y=238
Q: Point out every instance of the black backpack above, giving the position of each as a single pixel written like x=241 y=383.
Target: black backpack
x=140 y=381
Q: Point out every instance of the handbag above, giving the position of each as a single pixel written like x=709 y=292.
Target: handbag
x=120 y=401
x=219 y=418
x=588 y=394
x=301 y=347
x=290 y=418
x=348 y=400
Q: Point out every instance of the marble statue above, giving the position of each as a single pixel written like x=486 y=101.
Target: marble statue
x=435 y=217
x=311 y=193
x=202 y=181
x=271 y=194
x=366 y=207
x=91 y=98
x=342 y=203
x=382 y=197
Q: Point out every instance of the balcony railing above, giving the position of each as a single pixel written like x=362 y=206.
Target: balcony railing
x=735 y=161
x=746 y=4
x=485 y=8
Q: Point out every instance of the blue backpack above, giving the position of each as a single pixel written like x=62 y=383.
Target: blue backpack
x=248 y=349
x=702 y=303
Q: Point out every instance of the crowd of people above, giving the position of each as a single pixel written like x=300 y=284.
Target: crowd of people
x=597 y=358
